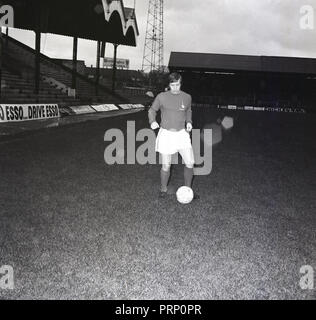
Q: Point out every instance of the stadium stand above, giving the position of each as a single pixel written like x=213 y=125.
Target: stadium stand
x=17 y=89
x=104 y=22
x=247 y=80
x=18 y=83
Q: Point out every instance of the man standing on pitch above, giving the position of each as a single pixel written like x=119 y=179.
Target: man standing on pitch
x=173 y=135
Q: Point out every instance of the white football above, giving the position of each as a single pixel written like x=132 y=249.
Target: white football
x=184 y=195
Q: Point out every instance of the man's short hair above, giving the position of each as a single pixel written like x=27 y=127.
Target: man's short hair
x=174 y=77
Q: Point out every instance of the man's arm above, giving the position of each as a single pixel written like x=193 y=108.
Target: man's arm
x=188 y=117
x=152 y=112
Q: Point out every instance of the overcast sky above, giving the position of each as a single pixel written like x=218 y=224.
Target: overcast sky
x=253 y=27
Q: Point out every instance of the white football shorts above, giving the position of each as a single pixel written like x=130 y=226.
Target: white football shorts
x=170 y=142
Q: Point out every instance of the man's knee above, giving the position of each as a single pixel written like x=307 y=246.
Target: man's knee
x=166 y=167
x=189 y=165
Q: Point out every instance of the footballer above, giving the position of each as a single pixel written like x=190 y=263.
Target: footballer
x=173 y=135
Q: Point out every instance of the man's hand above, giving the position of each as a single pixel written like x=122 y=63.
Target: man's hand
x=189 y=127
x=154 y=125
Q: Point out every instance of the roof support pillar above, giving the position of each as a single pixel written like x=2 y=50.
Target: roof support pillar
x=97 y=76
x=74 y=63
x=37 y=48
x=103 y=49
x=37 y=60
x=114 y=68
